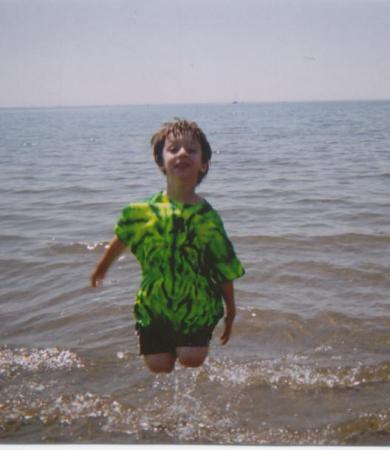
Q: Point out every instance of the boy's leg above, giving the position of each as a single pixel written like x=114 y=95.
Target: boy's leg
x=192 y=356
x=160 y=362
x=192 y=348
x=157 y=346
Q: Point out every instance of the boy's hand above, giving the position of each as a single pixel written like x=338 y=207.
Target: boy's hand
x=115 y=248
x=228 y=296
x=227 y=330
x=97 y=278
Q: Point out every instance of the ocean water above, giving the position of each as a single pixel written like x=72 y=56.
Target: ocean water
x=303 y=189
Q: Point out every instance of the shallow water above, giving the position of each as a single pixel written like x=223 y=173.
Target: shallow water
x=304 y=193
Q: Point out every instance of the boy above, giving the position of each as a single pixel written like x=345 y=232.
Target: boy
x=188 y=263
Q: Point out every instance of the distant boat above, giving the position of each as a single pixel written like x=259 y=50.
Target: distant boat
x=235 y=102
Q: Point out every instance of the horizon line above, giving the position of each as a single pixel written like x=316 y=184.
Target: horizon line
x=232 y=102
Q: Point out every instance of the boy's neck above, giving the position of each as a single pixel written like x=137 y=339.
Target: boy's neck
x=182 y=193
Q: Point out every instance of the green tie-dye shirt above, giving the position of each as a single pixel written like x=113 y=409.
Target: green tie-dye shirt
x=185 y=255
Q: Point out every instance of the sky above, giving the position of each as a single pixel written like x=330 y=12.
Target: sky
x=118 y=52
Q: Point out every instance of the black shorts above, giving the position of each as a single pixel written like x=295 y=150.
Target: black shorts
x=160 y=337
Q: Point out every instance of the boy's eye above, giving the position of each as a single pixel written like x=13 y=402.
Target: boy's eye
x=174 y=149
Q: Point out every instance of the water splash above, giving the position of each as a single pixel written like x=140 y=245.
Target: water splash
x=187 y=406
x=296 y=372
x=33 y=360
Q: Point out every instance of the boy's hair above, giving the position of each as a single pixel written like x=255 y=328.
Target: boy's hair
x=176 y=128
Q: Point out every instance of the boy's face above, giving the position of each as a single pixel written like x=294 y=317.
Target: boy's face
x=182 y=157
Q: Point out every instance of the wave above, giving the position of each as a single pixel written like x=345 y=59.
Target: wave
x=78 y=189
x=15 y=361
x=212 y=404
x=346 y=239
x=349 y=239
x=296 y=372
x=182 y=423
x=365 y=429
x=175 y=411
x=327 y=337
x=315 y=273
x=76 y=248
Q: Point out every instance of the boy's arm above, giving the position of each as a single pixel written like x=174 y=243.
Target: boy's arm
x=115 y=248
x=228 y=296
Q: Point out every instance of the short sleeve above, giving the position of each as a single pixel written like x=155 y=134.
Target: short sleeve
x=225 y=265
x=131 y=224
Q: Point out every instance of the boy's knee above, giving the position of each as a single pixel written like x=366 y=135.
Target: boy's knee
x=160 y=369
x=160 y=363
x=191 y=362
x=189 y=357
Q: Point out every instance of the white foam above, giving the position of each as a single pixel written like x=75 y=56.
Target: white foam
x=296 y=372
x=32 y=360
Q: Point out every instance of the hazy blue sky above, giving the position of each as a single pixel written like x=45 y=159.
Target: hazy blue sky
x=90 y=52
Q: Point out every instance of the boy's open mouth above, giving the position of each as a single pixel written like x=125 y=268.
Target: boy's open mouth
x=182 y=165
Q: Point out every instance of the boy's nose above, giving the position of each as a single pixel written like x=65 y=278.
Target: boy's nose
x=182 y=150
